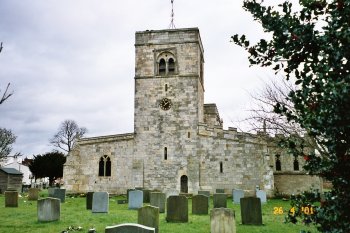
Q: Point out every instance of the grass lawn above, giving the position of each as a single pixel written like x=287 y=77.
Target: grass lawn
x=74 y=213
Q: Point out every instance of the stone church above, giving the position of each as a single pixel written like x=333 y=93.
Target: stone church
x=178 y=143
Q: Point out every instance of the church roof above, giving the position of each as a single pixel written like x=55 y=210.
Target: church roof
x=11 y=171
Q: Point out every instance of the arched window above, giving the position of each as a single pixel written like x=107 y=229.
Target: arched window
x=165 y=153
x=162 y=67
x=171 y=66
x=278 y=163
x=221 y=167
x=104 y=166
x=296 y=164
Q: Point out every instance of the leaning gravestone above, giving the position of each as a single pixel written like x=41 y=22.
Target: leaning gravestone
x=100 y=202
x=220 y=200
x=49 y=209
x=11 y=199
x=237 y=194
x=129 y=228
x=222 y=220
x=220 y=191
x=200 y=204
x=177 y=209
x=33 y=194
x=135 y=199
x=149 y=216
x=89 y=196
x=262 y=195
x=251 y=211
x=60 y=194
x=158 y=199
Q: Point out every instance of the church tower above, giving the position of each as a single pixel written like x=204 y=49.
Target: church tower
x=169 y=104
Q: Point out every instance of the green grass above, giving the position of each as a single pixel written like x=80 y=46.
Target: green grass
x=73 y=213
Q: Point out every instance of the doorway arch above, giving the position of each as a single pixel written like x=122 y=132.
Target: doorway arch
x=184 y=184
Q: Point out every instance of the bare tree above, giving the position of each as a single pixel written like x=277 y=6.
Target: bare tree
x=263 y=118
x=6 y=94
x=68 y=133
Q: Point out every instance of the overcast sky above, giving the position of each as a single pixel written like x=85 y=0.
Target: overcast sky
x=75 y=60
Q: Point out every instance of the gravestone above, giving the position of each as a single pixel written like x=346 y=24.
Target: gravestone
x=200 y=204
x=262 y=195
x=49 y=209
x=135 y=199
x=158 y=199
x=146 y=197
x=33 y=194
x=222 y=220
x=220 y=200
x=251 y=211
x=129 y=228
x=89 y=196
x=220 y=191
x=51 y=191
x=177 y=209
x=205 y=193
x=11 y=199
x=149 y=216
x=100 y=202
x=237 y=194
x=127 y=193
x=60 y=194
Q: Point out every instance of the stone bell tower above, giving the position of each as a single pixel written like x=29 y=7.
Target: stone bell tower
x=169 y=99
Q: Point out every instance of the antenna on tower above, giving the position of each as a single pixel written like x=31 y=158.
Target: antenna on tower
x=172 y=25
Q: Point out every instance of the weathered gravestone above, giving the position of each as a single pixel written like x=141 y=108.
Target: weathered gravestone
x=149 y=216
x=158 y=199
x=200 y=204
x=220 y=191
x=135 y=199
x=222 y=220
x=146 y=195
x=33 y=194
x=100 y=202
x=60 y=194
x=49 y=209
x=251 y=211
x=129 y=228
x=177 y=209
x=89 y=196
x=262 y=195
x=220 y=200
x=237 y=194
x=11 y=199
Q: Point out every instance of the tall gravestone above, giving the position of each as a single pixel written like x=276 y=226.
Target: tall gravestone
x=177 y=209
x=100 y=202
x=262 y=195
x=200 y=204
x=11 y=199
x=33 y=194
x=237 y=194
x=251 y=211
x=149 y=216
x=60 y=194
x=89 y=196
x=158 y=199
x=135 y=199
x=146 y=195
x=127 y=193
x=49 y=209
x=222 y=220
x=220 y=200
x=129 y=228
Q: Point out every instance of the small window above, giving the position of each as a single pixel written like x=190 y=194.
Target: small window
x=188 y=134
x=296 y=164
x=221 y=167
x=171 y=66
x=166 y=87
x=278 y=163
x=104 y=166
x=165 y=153
x=162 y=67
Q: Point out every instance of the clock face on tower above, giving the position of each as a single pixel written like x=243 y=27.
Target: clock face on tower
x=165 y=104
